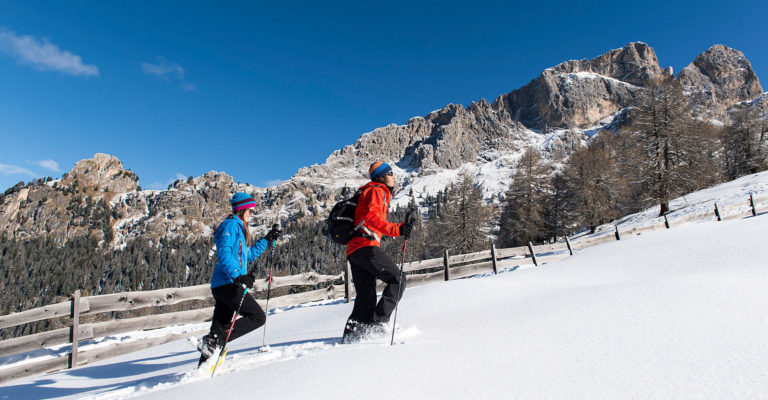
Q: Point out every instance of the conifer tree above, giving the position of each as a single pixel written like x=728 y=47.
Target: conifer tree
x=593 y=185
x=558 y=216
x=466 y=217
x=745 y=143
x=523 y=217
x=667 y=154
x=434 y=227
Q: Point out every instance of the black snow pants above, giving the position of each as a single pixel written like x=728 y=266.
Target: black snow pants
x=367 y=264
x=227 y=299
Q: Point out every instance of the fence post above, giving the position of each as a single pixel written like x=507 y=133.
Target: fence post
x=752 y=203
x=533 y=255
x=568 y=242
x=717 y=213
x=445 y=263
x=618 y=237
x=666 y=221
x=493 y=258
x=75 y=315
x=347 y=278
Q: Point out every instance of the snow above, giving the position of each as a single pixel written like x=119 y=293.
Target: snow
x=568 y=78
x=677 y=313
x=429 y=182
x=728 y=194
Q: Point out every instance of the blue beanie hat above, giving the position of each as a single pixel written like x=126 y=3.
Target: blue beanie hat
x=241 y=201
x=378 y=169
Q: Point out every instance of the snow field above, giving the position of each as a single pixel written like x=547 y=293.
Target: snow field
x=677 y=313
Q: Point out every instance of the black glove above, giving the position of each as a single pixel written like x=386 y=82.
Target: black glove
x=407 y=226
x=244 y=280
x=273 y=234
x=405 y=229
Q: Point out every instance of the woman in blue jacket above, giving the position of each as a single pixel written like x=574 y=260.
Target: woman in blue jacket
x=234 y=250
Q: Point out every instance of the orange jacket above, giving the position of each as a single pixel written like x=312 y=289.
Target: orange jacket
x=372 y=206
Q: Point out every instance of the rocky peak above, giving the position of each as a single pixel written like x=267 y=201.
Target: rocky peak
x=100 y=175
x=634 y=63
x=580 y=93
x=719 y=78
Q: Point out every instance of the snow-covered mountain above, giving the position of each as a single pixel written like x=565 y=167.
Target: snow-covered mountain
x=677 y=313
x=556 y=113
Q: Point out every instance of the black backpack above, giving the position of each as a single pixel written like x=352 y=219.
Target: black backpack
x=340 y=222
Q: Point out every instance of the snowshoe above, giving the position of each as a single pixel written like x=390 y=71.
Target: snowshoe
x=356 y=331
x=208 y=346
x=352 y=331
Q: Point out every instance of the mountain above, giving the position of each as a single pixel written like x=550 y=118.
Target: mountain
x=556 y=112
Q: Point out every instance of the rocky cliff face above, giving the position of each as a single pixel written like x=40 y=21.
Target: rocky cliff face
x=578 y=94
x=70 y=206
x=719 y=78
x=556 y=113
x=99 y=198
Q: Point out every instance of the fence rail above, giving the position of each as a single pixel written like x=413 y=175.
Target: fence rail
x=452 y=267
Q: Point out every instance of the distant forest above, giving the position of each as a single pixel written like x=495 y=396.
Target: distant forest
x=662 y=154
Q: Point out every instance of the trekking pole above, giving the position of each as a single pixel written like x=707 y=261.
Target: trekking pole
x=269 y=285
x=229 y=332
x=269 y=289
x=399 y=293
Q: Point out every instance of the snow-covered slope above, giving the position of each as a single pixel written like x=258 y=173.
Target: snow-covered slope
x=676 y=313
x=732 y=197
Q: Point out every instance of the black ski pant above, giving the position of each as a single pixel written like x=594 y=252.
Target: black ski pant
x=227 y=299
x=368 y=264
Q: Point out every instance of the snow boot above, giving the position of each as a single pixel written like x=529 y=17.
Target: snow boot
x=209 y=345
x=356 y=331
x=353 y=331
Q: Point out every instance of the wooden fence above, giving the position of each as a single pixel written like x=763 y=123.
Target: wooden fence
x=437 y=270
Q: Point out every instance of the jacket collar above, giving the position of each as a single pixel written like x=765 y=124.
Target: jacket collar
x=372 y=184
x=236 y=218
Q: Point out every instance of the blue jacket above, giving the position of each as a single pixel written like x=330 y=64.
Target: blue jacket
x=232 y=252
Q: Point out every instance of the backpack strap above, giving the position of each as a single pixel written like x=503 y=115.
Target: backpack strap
x=360 y=229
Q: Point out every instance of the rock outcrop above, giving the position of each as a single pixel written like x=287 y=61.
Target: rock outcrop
x=578 y=94
x=719 y=78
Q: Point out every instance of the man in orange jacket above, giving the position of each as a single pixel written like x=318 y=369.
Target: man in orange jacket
x=368 y=262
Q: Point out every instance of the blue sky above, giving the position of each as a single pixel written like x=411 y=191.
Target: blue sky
x=259 y=90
